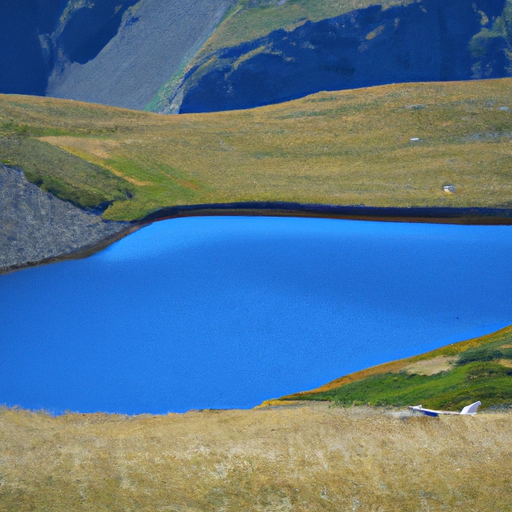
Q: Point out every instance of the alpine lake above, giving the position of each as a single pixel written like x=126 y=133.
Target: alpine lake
x=229 y=311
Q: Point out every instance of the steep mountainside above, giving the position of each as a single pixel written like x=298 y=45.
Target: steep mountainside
x=210 y=55
x=37 y=34
x=154 y=39
x=116 y=52
x=427 y=40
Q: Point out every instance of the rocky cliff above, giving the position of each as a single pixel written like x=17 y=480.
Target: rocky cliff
x=427 y=40
x=36 y=226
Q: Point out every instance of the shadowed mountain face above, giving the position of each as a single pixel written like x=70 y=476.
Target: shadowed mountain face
x=132 y=53
x=90 y=29
x=35 y=34
x=116 y=52
x=428 y=40
x=23 y=67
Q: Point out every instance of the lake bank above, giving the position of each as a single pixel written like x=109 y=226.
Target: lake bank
x=37 y=228
x=446 y=378
x=436 y=215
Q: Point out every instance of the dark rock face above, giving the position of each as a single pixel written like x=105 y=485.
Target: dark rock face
x=32 y=36
x=91 y=28
x=427 y=40
x=23 y=67
x=36 y=226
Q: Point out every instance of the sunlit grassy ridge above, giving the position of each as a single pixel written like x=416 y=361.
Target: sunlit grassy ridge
x=348 y=147
x=251 y=19
x=449 y=377
x=292 y=459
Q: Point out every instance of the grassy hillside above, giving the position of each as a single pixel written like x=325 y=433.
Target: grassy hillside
x=448 y=378
x=293 y=459
x=348 y=147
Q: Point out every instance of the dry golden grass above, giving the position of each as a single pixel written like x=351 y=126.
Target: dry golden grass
x=348 y=147
x=288 y=459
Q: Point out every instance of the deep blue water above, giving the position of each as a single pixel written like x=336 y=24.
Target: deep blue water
x=215 y=312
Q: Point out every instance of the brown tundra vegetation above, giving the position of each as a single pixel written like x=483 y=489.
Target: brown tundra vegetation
x=299 y=458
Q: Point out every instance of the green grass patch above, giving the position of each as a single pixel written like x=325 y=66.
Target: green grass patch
x=481 y=369
x=489 y=382
x=488 y=352
x=61 y=173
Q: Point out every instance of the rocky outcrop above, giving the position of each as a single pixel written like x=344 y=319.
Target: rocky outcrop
x=427 y=40
x=36 y=226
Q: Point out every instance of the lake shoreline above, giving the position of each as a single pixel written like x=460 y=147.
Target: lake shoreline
x=432 y=215
x=81 y=253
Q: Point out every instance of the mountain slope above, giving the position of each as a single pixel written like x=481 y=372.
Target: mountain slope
x=169 y=56
x=38 y=35
x=427 y=40
x=115 y=52
x=151 y=44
